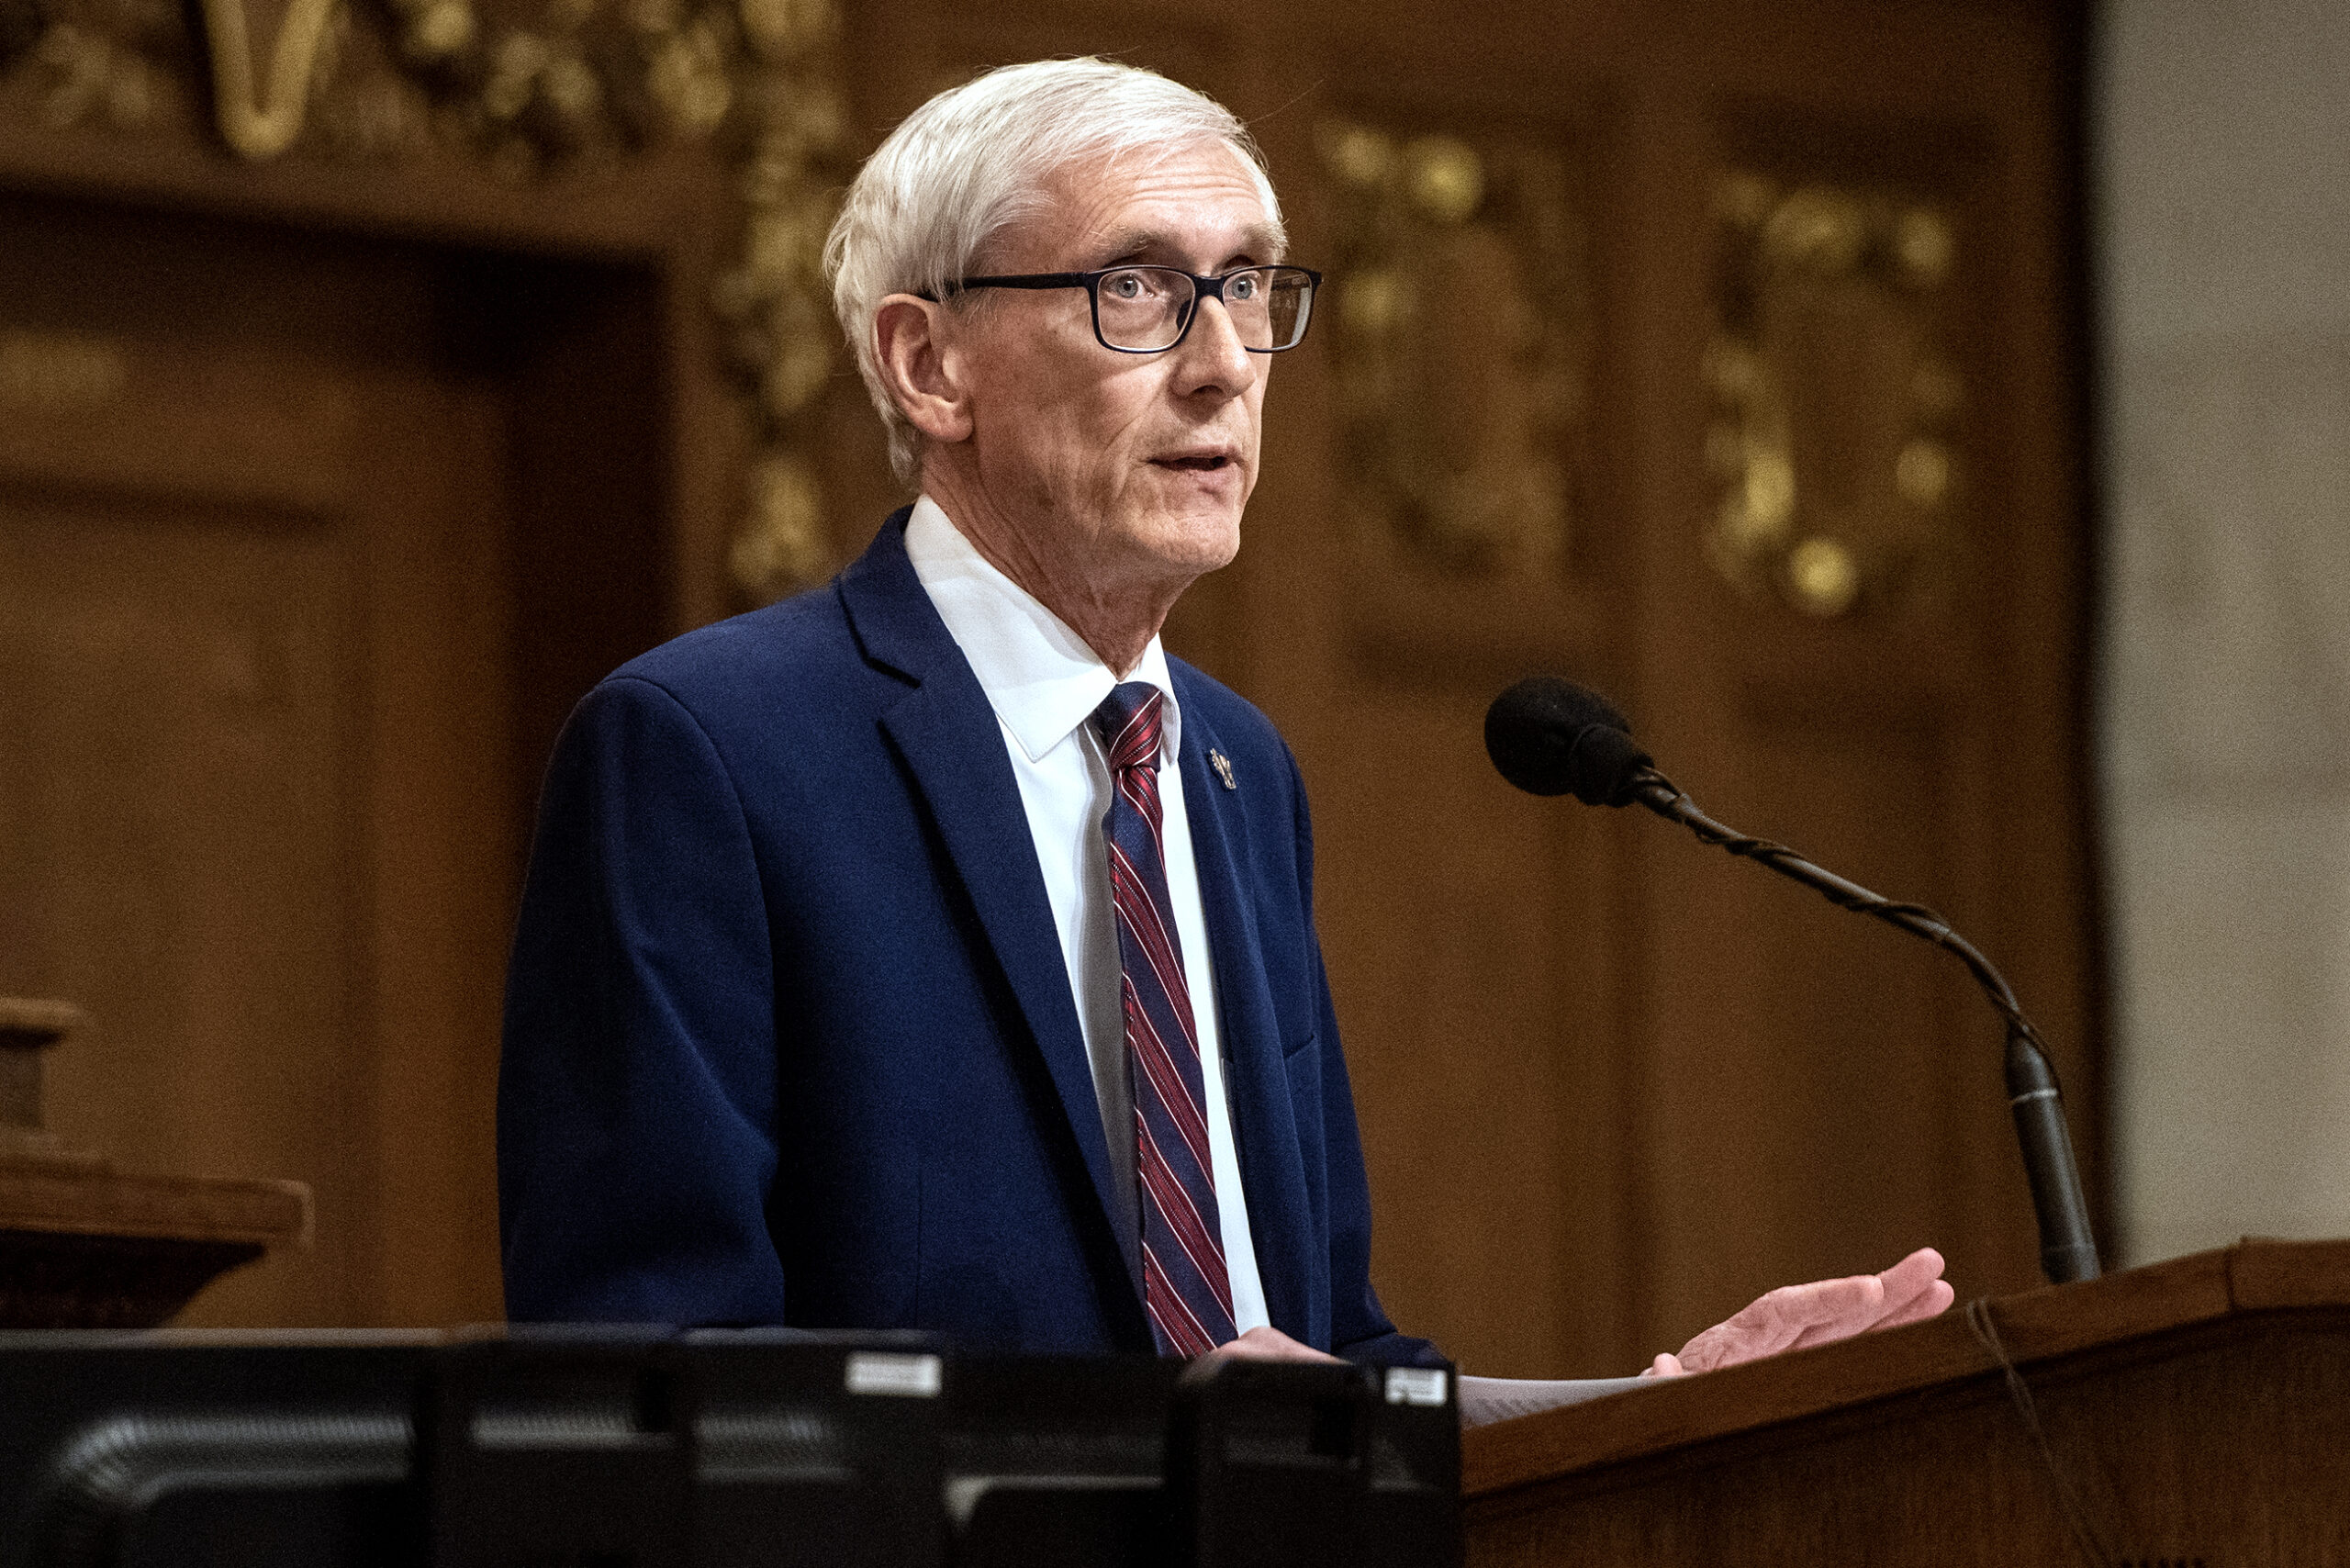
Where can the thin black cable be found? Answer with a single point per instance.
(1978, 1318)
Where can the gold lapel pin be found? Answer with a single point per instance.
(1223, 765)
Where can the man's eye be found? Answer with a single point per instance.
(1124, 286)
(1245, 287)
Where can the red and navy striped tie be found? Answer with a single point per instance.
(1184, 1282)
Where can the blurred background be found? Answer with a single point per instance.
(1930, 419)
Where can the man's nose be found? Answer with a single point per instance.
(1213, 358)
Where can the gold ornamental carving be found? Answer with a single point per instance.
(1460, 336)
(529, 85)
(118, 64)
(578, 80)
(1832, 443)
(261, 121)
(532, 89)
(777, 312)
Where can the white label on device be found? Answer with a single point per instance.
(1415, 1386)
(905, 1377)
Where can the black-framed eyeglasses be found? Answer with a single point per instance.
(1141, 309)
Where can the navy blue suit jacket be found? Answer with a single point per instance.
(788, 1035)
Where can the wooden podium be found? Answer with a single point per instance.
(84, 1244)
(2194, 1413)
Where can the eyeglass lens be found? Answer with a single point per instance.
(1145, 308)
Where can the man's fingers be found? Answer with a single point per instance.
(1914, 1290)
(1932, 1301)
(1829, 1309)
(1804, 1307)
(1781, 1320)
(1797, 1317)
(1906, 1281)
(1791, 1309)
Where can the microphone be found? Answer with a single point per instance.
(1550, 737)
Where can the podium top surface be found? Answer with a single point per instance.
(2040, 1325)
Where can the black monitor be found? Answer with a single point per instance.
(626, 1448)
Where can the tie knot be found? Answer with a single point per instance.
(1127, 722)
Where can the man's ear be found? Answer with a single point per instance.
(919, 368)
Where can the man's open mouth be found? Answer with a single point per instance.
(1205, 463)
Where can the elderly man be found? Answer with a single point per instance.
(931, 950)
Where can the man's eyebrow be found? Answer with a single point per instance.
(1258, 243)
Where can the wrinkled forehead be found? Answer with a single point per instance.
(1205, 199)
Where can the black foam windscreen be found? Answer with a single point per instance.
(1549, 736)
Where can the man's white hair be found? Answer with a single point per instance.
(975, 160)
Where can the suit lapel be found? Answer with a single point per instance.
(953, 746)
(1264, 1127)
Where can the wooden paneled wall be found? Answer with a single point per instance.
(1718, 357)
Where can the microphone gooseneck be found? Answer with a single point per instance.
(1550, 737)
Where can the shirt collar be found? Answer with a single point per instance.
(1040, 677)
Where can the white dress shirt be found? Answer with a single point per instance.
(1043, 683)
